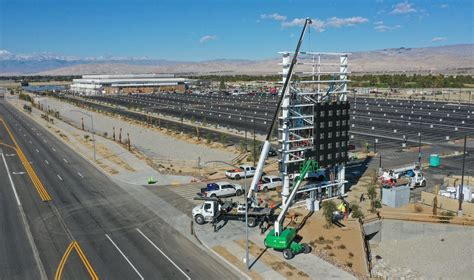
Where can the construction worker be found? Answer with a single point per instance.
(342, 208)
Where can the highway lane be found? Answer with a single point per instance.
(17, 257)
(103, 219)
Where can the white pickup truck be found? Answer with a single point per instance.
(221, 189)
(243, 171)
(269, 182)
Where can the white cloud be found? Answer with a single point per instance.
(444, 6)
(321, 25)
(274, 16)
(207, 38)
(294, 22)
(385, 28)
(403, 8)
(380, 27)
(439, 39)
(340, 22)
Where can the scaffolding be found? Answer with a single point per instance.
(317, 78)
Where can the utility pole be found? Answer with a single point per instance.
(419, 145)
(376, 140)
(461, 187)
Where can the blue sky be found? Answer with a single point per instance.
(213, 29)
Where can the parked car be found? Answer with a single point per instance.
(243, 171)
(269, 182)
(221, 189)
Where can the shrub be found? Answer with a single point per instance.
(223, 138)
(418, 208)
(351, 255)
(342, 246)
(337, 237)
(331, 254)
(356, 211)
(208, 138)
(349, 264)
(321, 238)
(328, 247)
(329, 207)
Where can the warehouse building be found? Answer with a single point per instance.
(130, 83)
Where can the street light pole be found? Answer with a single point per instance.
(461, 187)
(247, 260)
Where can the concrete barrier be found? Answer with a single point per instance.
(446, 203)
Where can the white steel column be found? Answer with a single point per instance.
(285, 132)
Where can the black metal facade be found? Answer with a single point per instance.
(330, 133)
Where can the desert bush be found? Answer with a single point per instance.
(329, 206)
(351, 255)
(337, 237)
(418, 208)
(342, 247)
(321, 238)
(349, 264)
(356, 211)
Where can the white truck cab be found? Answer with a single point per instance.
(205, 212)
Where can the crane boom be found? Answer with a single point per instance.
(266, 144)
(308, 166)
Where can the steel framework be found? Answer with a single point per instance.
(318, 77)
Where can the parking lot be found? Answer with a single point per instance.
(393, 122)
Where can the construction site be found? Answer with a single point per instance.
(314, 180)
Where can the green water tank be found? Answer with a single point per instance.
(434, 160)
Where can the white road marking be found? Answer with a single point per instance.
(30, 142)
(54, 150)
(37, 151)
(47, 162)
(65, 160)
(39, 263)
(44, 140)
(156, 247)
(80, 175)
(123, 255)
(18, 173)
(11, 181)
(59, 177)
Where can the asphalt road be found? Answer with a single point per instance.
(120, 238)
(17, 257)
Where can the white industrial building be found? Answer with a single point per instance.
(129, 83)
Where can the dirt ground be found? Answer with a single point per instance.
(282, 267)
(341, 246)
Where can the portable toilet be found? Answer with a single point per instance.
(434, 160)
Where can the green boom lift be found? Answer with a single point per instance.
(284, 240)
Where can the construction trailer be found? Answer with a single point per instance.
(313, 126)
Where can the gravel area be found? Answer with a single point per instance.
(447, 256)
(153, 143)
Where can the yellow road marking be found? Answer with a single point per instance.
(74, 245)
(31, 173)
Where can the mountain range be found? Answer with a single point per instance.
(442, 59)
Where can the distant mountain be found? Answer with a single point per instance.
(444, 59)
